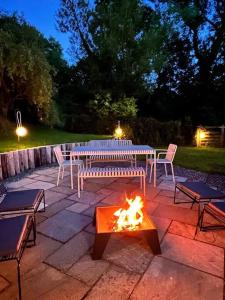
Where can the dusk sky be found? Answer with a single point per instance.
(41, 14)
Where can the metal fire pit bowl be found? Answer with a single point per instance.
(103, 220)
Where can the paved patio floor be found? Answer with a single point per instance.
(60, 266)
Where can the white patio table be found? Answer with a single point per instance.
(119, 150)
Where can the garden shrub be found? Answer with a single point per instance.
(155, 133)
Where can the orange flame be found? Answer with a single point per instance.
(130, 218)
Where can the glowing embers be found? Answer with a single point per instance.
(130, 216)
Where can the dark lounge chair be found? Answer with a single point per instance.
(217, 211)
(20, 202)
(14, 237)
(198, 192)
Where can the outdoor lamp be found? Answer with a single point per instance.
(118, 134)
(21, 131)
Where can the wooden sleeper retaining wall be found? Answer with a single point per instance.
(15, 162)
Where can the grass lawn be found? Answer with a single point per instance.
(38, 136)
(211, 160)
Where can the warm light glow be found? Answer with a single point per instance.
(118, 133)
(130, 218)
(202, 135)
(21, 131)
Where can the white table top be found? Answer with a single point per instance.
(128, 149)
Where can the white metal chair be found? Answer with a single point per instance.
(169, 155)
(63, 162)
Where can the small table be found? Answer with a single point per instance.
(119, 150)
(104, 228)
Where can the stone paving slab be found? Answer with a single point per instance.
(88, 198)
(195, 254)
(52, 197)
(116, 284)
(166, 279)
(63, 190)
(46, 171)
(167, 185)
(170, 178)
(45, 178)
(88, 270)
(20, 183)
(78, 207)
(122, 187)
(71, 289)
(116, 198)
(56, 207)
(182, 229)
(40, 185)
(105, 192)
(133, 254)
(177, 213)
(63, 225)
(91, 210)
(70, 253)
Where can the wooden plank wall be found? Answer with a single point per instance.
(15, 162)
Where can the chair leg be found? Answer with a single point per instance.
(62, 172)
(78, 185)
(150, 175)
(58, 176)
(172, 172)
(71, 175)
(144, 184)
(19, 280)
(165, 170)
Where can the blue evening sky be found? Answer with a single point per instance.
(41, 14)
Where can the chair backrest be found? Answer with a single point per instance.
(58, 153)
(109, 143)
(171, 151)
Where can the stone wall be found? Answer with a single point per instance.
(14, 162)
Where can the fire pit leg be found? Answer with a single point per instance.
(101, 240)
(153, 241)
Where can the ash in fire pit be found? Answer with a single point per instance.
(117, 219)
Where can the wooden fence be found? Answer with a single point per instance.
(210, 136)
(15, 162)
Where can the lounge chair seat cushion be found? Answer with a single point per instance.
(199, 190)
(21, 200)
(12, 231)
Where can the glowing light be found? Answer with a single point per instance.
(118, 134)
(21, 131)
(202, 135)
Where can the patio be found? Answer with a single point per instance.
(60, 266)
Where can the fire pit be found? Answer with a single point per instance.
(129, 218)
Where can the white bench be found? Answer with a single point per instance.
(108, 173)
(108, 158)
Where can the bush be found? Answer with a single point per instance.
(152, 132)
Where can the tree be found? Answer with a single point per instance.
(120, 41)
(24, 68)
(199, 82)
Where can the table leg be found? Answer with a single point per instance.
(71, 170)
(155, 169)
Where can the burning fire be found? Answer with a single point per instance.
(130, 218)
